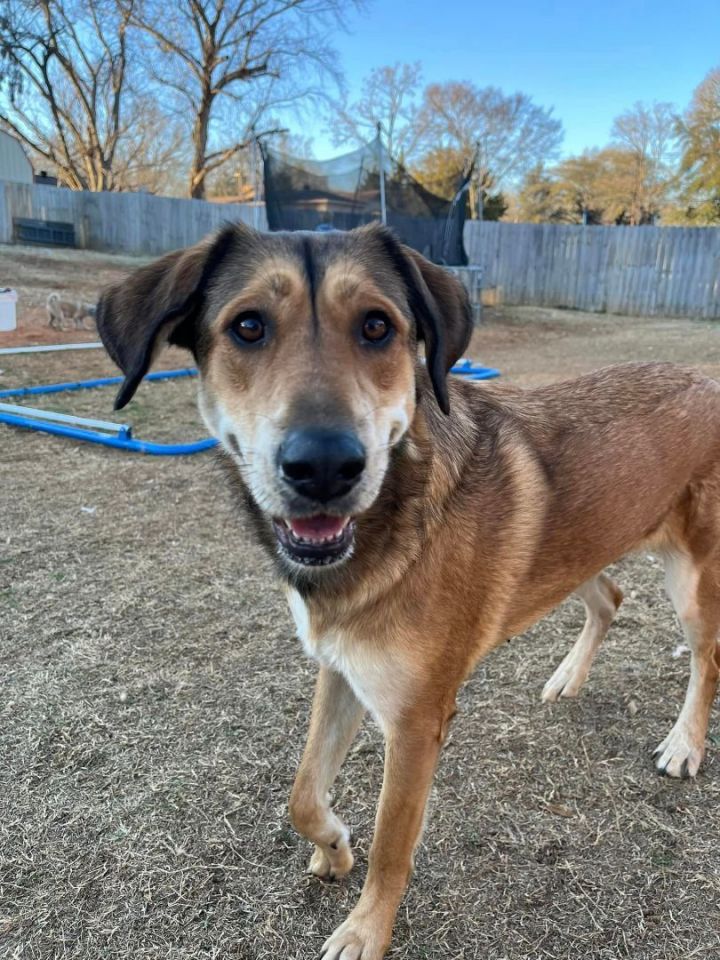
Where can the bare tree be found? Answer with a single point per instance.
(65, 86)
(440, 168)
(388, 97)
(699, 131)
(145, 160)
(603, 186)
(580, 187)
(232, 62)
(537, 200)
(506, 135)
(645, 142)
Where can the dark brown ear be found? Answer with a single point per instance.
(157, 305)
(442, 312)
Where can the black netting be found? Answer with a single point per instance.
(345, 192)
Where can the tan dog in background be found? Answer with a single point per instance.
(75, 312)
(417, 522)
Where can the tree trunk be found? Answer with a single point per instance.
(199, 140)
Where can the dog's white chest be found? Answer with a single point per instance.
(379, 680)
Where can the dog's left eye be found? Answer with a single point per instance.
(248, 328)
(376, 327)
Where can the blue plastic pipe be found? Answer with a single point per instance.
(92, 436)
(106, 440)
(90, 384)
(464, 368)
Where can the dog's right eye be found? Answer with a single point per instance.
(376, 327)
(248, 328)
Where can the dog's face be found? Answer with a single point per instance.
(308, 381)
(306, 345)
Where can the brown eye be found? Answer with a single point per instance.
(248, 328)
(376, 327)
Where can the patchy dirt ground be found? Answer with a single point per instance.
(154, 703)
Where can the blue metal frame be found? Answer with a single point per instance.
(122, 438)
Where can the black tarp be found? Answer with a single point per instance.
(345, 192)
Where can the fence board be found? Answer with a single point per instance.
(134, 223)
(648, 271)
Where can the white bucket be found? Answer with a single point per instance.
(8, 299)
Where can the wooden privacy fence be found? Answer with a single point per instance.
(647, 271)
(134, 223)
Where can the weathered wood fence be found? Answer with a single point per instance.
(672, 271)
(134, 223)
(647, 271)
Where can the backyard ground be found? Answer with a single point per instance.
(154, 701)
(35, 272)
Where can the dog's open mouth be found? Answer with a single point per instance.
(316, 541)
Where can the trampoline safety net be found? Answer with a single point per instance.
(345, 192)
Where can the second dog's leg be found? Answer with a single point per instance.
(694, 593)
(602, 598)
(336, 716)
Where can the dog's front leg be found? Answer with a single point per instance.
(411, 754)
(336, 716)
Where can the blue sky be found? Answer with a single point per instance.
(588, 60)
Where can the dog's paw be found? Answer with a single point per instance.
(566, 681)
(363, 935)
(680, 754)
(332, 864)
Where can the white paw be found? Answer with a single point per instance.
(680, 754)
(333, 862)
(566, 681)
(361, 936)
(319, 864)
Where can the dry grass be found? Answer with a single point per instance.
(154, 703)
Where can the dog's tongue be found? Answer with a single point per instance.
(319, 527)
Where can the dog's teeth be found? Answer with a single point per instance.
(319, 540)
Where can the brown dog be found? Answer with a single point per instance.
(417, 522)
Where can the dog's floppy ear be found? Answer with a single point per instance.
(157, 305)
(442, 311)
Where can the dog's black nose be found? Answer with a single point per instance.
(321, 464)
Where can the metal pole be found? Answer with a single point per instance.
(256, 182)
(478, 181)
(381, 163)
(52, 348)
